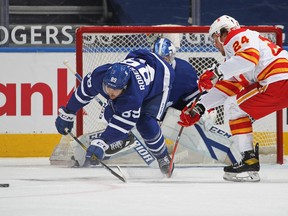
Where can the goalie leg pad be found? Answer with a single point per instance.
(204, 137)
(78, 152)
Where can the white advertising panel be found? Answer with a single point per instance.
(32, 87)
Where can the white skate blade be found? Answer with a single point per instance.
(242, 177)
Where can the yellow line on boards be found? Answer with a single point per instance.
(28, 145)
(42, 145)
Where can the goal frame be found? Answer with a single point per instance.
(171, 29)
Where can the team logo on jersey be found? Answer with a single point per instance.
(113, 79)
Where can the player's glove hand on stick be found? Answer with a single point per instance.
(190, 117)
(65, 120)
(209, 78)
(96, 149)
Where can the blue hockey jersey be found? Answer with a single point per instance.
(185, 86)
(147, 91)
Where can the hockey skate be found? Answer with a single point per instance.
(246, 170)
(164, 163)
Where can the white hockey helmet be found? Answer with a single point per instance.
(224, 22)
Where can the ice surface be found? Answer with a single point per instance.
(36, 188)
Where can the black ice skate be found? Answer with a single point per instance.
(245, 170)
(164, 164)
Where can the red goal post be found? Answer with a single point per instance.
(98, 45)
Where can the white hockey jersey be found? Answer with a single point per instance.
(249, 58)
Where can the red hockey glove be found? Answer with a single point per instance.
(190, 117)
(209, 78)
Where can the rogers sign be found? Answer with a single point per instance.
(37, 35)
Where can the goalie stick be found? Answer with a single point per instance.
(179, 136)
(148, 159)
(121, 177)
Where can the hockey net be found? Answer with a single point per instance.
(96, 46)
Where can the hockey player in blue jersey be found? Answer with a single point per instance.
(137, 90)
(185, 87)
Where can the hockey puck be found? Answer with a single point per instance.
(4, 185)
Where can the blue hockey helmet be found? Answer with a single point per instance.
(165, 48)
(117, 76)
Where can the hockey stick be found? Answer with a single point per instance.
(178, 137)
(174, 151)
(121, 177)
(148, 157)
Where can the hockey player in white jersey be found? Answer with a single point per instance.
(137, 90)
(254, 77)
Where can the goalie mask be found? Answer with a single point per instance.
(223, 23)
(117, 76)
(165, 48)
